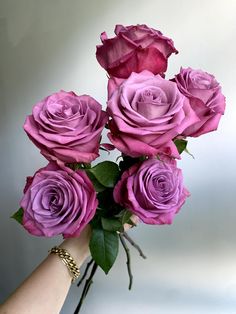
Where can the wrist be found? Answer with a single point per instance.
(78, 247)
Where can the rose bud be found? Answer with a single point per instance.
(134, 49)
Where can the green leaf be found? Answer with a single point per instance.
(107, 203)
(76, 166)
(97, 185)
(188, 152)
(95, 223)
(105, 199)
(18, 216)
(181, 145)
(106, 173)
(104, 247)
(112, 224)
(126, 217)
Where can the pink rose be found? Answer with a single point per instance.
(58, 201)
(153, 190)
(205, 97)
(134, 49)
(67, 127)
(147, 112)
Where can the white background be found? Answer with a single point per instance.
(49, 45)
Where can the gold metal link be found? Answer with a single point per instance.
(67, 260)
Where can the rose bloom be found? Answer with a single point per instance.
(147, 112)
(58, 201)
(152, 190)
(134, 49)
(205, 97)
(67, 127)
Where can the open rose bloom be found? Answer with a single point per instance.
(147, 112)
(205, 97)
(153, 190)
(67, 127)
(148, 118)
(58, 201)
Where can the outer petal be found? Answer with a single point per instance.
(206, 125)
(149, 59)
(132, 146)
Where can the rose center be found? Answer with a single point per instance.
(152, 103)
(161, 185)
(52, 200)
(148, 96)
(201, 81)
(65, 111)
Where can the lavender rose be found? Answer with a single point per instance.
(134, 49)
(153, 190)
(147, 112)
(58, 201)
(205, 97)
(67, 127)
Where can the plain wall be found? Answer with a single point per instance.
(49, 45)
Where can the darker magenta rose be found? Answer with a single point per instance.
(147, 112)
(67, 127)
(152, 190)
(205, 97)
(57, 201)
(134, 49)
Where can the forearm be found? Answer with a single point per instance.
(45, 290)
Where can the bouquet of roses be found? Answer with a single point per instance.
(148, 118)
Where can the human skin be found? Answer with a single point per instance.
(45, 290)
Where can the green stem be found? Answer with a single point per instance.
(87, 285)
(122, 240)
(135, 245)
(85, 272)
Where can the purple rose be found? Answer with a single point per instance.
(205, 97)
(134, 49)
(57, 201)
(147, 112)
(153, 190)
(67, 127)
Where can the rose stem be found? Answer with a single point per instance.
(122, 240)
(135, 245)
(87, 285)
(85, 272)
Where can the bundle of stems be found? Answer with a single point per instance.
(92, 266)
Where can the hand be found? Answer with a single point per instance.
(79, 247)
